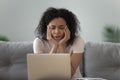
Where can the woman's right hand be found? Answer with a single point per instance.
(49, 36)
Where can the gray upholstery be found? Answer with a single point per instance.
(13, 60)
(100, 60)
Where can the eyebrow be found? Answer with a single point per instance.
(59, 25)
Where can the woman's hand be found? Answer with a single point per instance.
(49, 36)
(66, 37)
(62, 43)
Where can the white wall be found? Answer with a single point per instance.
(19, 18)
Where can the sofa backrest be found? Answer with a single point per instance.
(102, 60)
(13, 60)
(99, 60)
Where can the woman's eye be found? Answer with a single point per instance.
(52, 27)
(62, 27)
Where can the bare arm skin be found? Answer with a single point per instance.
(75, 61)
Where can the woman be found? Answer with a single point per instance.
(57, 33)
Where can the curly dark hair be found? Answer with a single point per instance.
(52, 13)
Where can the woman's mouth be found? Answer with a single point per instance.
(57, 37)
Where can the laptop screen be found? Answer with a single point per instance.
(48, 66)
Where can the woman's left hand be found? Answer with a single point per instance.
(66, 37)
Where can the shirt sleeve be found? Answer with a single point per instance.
(37, 46)
(78, 45)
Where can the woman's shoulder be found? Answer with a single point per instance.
(78, 41)
(79, 38)
(38, 40)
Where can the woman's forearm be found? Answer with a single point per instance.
(72, 70)
(75, 61)
(61, 49)
(54, 49)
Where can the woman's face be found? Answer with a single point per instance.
(57, 27)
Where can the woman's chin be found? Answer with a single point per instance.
(57, 40)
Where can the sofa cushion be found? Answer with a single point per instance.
(13, 60)
(102, 60)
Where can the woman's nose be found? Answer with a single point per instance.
(57, 31)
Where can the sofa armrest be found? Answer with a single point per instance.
(102, 60)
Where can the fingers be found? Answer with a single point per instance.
(67, 33)
(48, 33)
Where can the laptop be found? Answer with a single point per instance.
(49, 66)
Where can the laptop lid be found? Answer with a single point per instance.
(48, 66)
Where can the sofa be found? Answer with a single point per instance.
(99, 60)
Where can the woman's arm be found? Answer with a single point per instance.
(62, 44)
(75, 61)
(37, 46)
(53, 49)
